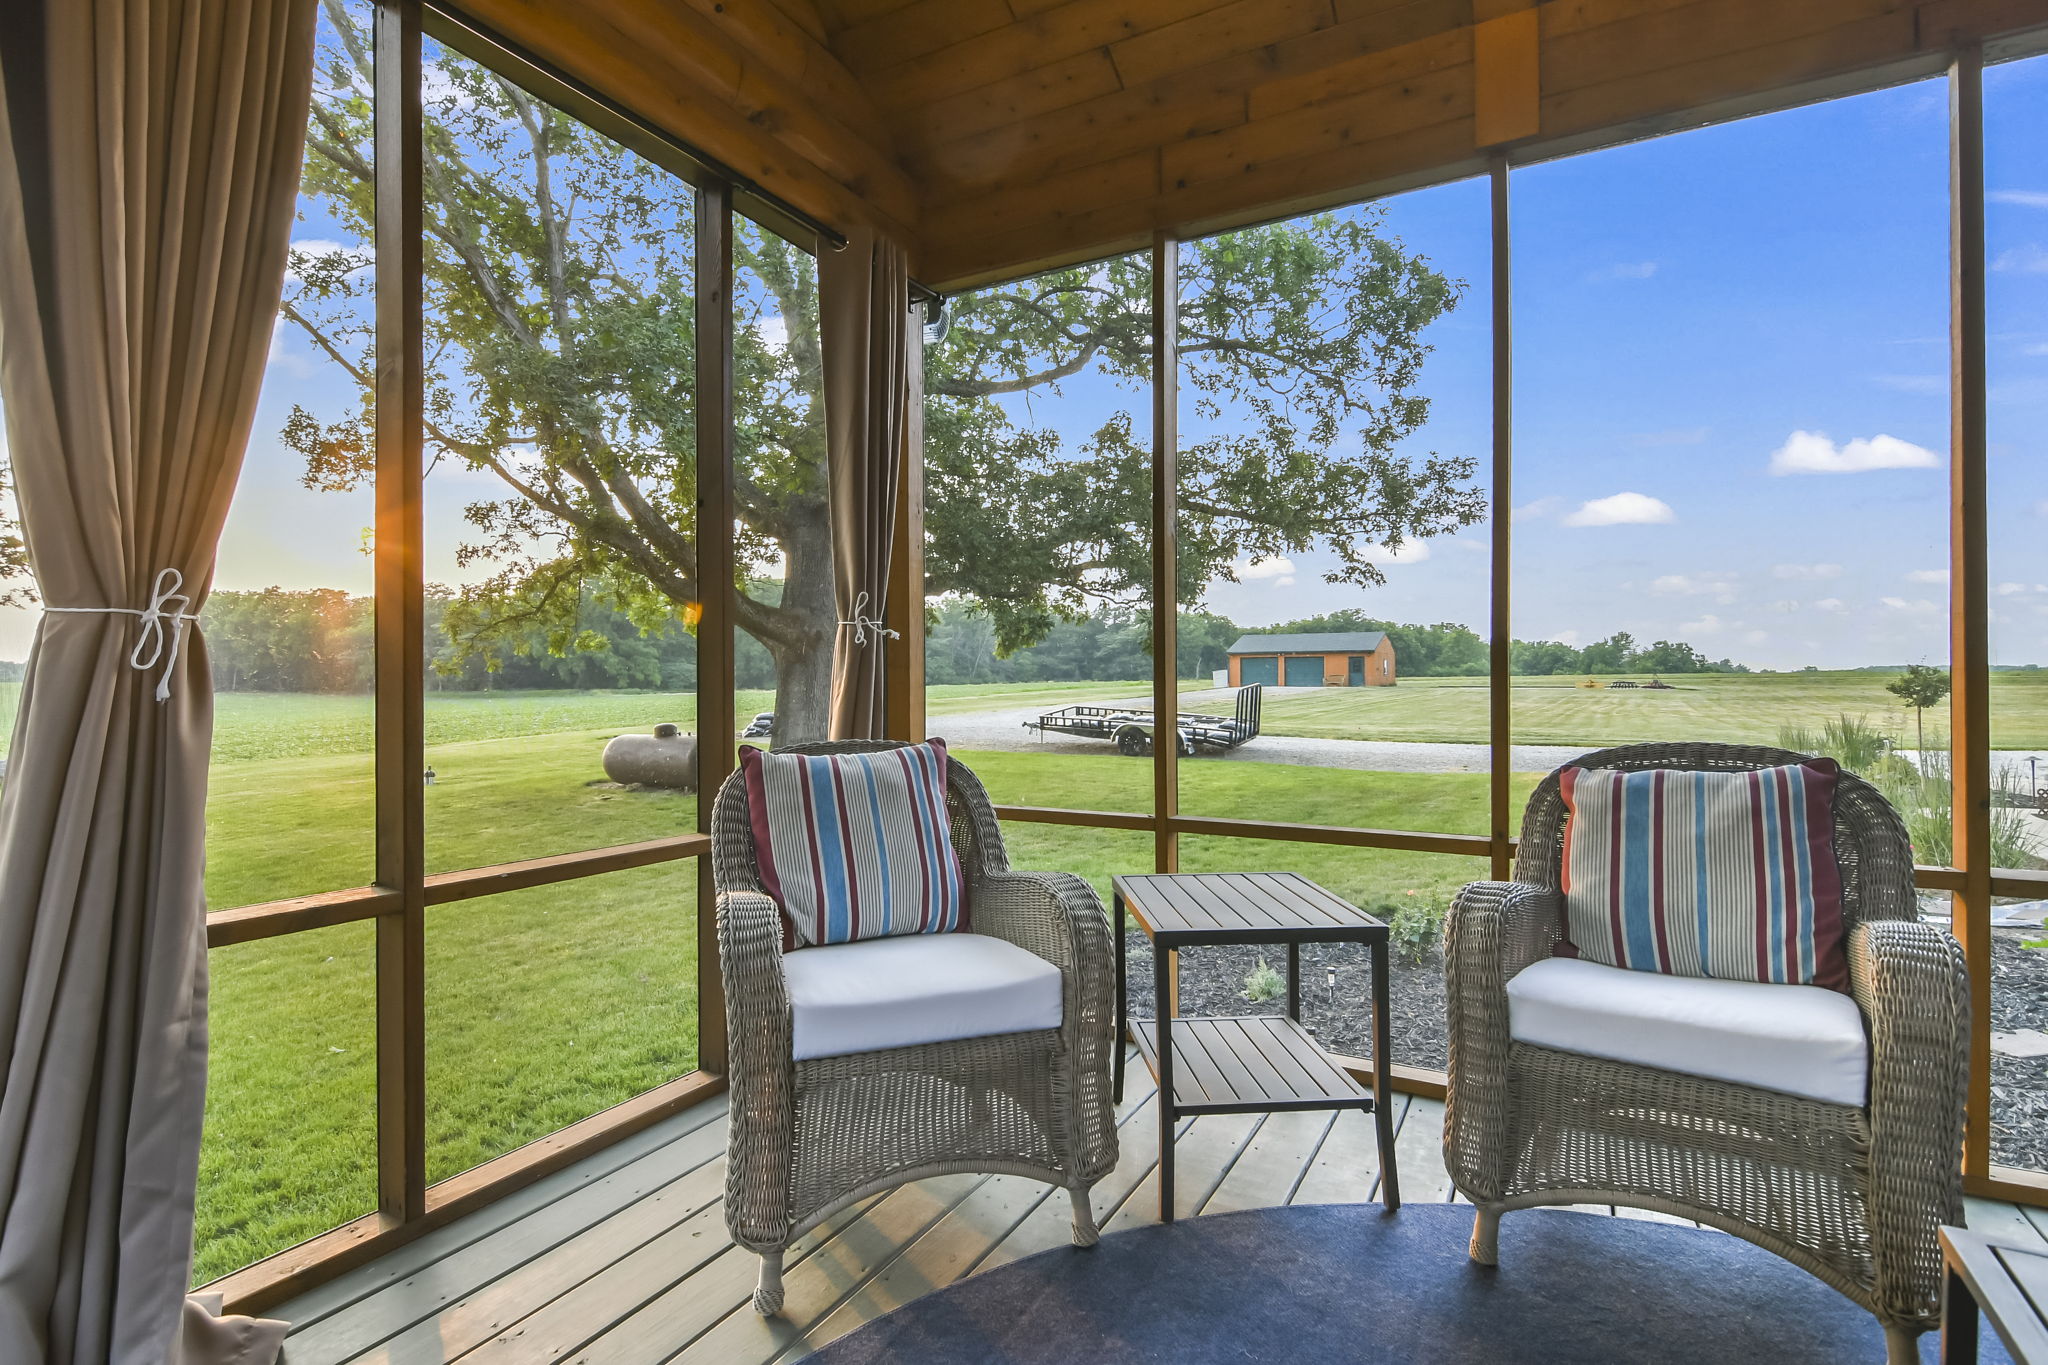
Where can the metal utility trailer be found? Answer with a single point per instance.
(1132, 729)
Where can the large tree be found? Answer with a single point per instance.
(560, 340)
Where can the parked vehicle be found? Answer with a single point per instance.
(1133, 729)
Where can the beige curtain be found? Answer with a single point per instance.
(866, 329)
(149, 156)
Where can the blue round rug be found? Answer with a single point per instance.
(1346, 1282)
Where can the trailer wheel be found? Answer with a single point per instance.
(1133, 742)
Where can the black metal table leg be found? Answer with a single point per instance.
(1294, 982)
(1162, 976)
(1959, 1321)
(1123, 1023)
(1382, 1076)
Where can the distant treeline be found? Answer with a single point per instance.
(320, 640)
(960, 648)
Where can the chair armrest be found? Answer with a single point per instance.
(1058, 916)
(1493, 930)
(1911, 983)
(760, 1075)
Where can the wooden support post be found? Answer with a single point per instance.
(1969, 594)
(716, 723)
(1165, 573)
(903, 656)
(400, 627)
(1500, 652)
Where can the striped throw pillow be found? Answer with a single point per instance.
(855, 846)
(1728, 875)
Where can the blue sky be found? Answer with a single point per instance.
(1731, 398)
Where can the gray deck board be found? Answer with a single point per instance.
(624, 1260)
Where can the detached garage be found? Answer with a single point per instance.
(1359, 658)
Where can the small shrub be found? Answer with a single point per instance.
(1414, 931)
(1262, 983)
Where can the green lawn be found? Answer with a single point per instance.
(550, 1004)
(1736, 707)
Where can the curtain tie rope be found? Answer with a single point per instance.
(166, 603)
(862, 623)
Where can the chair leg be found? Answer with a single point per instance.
(768, 1293)
(1901, 1345)
(1086, 1233)
(1486, 1235)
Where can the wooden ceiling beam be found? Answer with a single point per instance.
(721, 82)
(1205, 99)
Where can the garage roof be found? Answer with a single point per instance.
(1339, 642)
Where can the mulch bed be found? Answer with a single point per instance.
(1212, 981)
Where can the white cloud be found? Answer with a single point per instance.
(2035, 348)
(2011, 589)
(1830, 604)
(1411, 552)
(1720, 586)
(1706, 625)
(2031, 259)
(1622, 509)
(774, 332)
(1542, 507)
(283, 357)
(1622, 270)
(1927, 576)
(1279, 566)
(1806, 571)
(1811, 452)
(2033, 199)
(1913, 383)
(1755, 637)
(1918, 606)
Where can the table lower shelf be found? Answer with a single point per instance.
(1253, 1064)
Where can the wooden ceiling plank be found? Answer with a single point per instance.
(1057, 85)
(1449, 48)
(1021, 154)
(840, 15)
(1134, 176)
(763, 30)
(1674, 90)
(1215, 35)
(1032, 41)
(1205, 100)
(1369, 116)
(1676, 37)
(1078, 232)
(805, 15)
(693, 47)
(1560, 17)
(1357, 11)
(917, 31)
(586, 42)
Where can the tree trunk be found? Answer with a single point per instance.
(805, 622)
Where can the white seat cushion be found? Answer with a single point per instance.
(1802, 1040)
(915, 988)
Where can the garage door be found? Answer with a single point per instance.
(1259, 669)
(1305, 672)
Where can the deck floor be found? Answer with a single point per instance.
(623, 1259)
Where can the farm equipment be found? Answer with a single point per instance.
(1132, 730)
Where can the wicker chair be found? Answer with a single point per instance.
(1853, 1195)
(810, 1137)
